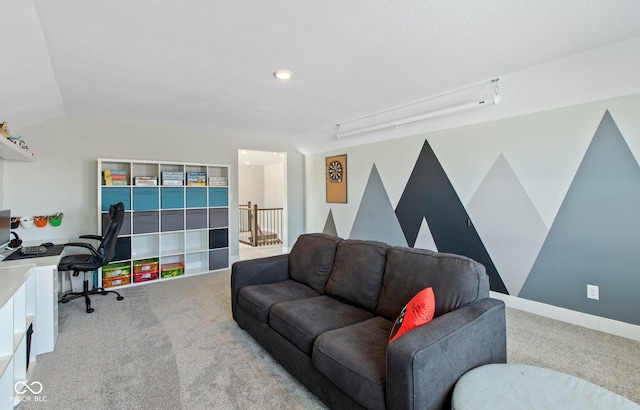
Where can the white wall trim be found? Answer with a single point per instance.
(602, 324)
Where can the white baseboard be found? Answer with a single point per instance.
(602, 324)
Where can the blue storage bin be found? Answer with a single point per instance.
(218, 197)
(196, 197)
(113, 195)
(145, 198)
(171, 198)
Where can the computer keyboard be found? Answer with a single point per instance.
(34, 250)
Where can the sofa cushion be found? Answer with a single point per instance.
(301, 321)
(311, 259)
(419, 311)
(357, 272)
(354, 358)
(456, 280)
(258, 299)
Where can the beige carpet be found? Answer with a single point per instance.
(174, 345)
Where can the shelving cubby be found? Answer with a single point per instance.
(17, 314)
(170, 222)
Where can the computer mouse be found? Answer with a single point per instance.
(46, 244)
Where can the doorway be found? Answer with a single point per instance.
(262, 199)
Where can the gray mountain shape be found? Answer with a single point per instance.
(376, 219)
(594, 237)
(330, 225)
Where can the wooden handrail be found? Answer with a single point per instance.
(264, 225)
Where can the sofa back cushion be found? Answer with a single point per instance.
(357, 272)
(311, 259)
(456, 280)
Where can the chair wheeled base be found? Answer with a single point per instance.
(86, 292)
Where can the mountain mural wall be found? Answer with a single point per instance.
(592, 239)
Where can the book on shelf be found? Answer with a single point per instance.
(115, 177)
(144, 180)
(173, 182)
(196, 179)
(175, 178)
(217, 181)
(172, 174)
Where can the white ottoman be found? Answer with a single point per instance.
(519, 386)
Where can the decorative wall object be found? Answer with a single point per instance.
(336, 177)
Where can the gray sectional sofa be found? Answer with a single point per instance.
(326, 309)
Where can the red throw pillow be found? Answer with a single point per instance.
(417, 312)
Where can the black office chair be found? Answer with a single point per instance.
(94, 260)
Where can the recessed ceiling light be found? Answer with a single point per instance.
(282, 74)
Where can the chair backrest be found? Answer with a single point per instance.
(107, 247)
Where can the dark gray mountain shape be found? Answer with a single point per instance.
(375, 219)
(330, 225)
(430, 195)
(508, 223)
(595, 235)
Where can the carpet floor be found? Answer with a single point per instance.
(174, 345)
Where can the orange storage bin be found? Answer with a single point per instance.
(145, 265)
(116, 281)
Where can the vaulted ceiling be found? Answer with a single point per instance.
(209, 64)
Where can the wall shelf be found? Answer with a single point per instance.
(11, 152)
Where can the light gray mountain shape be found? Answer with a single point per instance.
(424, 239)
(376, 219)
(594, 237)
(508, 223)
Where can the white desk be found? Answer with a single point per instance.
(45, 327)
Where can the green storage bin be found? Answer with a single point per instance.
(116, 269)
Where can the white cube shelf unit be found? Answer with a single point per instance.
(17, 314)
(176, 216)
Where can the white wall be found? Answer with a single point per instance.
(63, 177)
(251, 184)
(274, 187)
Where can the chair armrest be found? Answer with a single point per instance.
(424, 364)
(85, 246)
(255, 272)
(96, 237)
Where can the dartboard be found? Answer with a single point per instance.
(335, 171)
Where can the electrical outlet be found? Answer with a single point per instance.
(593, 292)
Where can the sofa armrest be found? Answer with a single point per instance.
(255, 272)
(424, 364)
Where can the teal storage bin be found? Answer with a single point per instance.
(146, 198)
(196, 197)
(218, 197)
(111, 195)
(171, 198)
